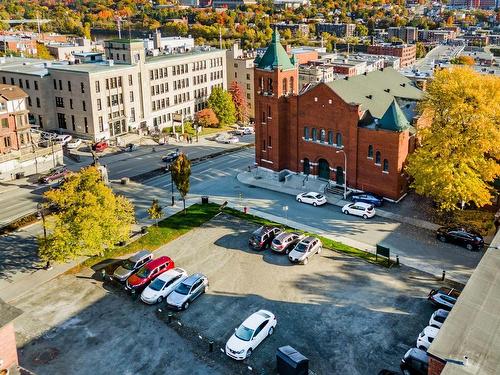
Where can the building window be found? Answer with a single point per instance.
(101, 124)
(130, 82)
(38, 102)
(132, 114)
(322, 135)
(307, 166)
(29, 101)
(269, 111)
(264, 145)
(291, 85)
(82, 88)
(59, 102)
(330, 137)
(269, 144)
(284, 85)
(60, 85)
(97, 86)
(55, 83)
(27, 84)
(61, 120)
(69, 86)
(99, 104)
(377, 158)
(86, 124)
(5, 123)
(386, 165)
(6, 141)
(131, 96)
(306, 133)
(314, 134)
(339, 140)
(370, 151)
(71, 103)
(73, 122)
(84, 106)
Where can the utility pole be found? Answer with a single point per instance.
(220, 38)
(118, 24)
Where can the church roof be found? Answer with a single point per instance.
(275, 56)
(394, 119)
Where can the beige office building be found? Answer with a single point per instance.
(240, 69)
(129, 91)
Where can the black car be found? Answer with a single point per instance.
(469, 239)
(369, 198)
(414, 362)
(262, 237)
(170, 157)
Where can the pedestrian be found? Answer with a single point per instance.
(48, 266)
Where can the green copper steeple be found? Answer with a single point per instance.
(275, 56)
(394, 119)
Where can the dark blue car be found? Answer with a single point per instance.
(369, 198)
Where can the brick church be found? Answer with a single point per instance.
(358, 130)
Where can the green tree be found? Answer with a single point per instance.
(181, 171)
(460, 149)
(361, 30)
(240, 101)
(221, 102)
(90, 218)
(155, 212)
(42, 52)
(421, 51)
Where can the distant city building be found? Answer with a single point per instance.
(232, 4)
(436, 36)
(291, 3)
(293, 27)
(341, 30)
(406, 34)
(174, 44)
(66, 51)
(18, 44)
(407, 53)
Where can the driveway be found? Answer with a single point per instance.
(345, 315)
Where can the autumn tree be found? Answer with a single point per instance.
(207, 118)
(460, 150)
(42, 52)
(221, 102)
(463, 60)
(181, 171)
(420, 50)
(90, 218)
(155, 212)
(240, 101)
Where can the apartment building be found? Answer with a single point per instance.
(341, 30)
(128, 91)
(406, 52)
(295, 28)
(18, 44)
(14, 125)
(240, 66)
(406, 34)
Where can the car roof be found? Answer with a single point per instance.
(308, 239)
(284, 235)
(441, 312)
(419, 354)
(254, 320)
(363, 204)
(157, 262)
(171, 273)
(431, 331)
(190, 280)
(139, 255)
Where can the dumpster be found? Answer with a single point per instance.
(204, 199)
(291, 362)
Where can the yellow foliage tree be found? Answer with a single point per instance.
(460, 150)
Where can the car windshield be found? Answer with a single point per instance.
(244, 333)
(157, 284)
(301, 247)
(128, 265)
(319, 196)
(143, 273)
(183, 289)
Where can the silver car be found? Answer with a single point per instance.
(305, 249)
(285, 241)
(131, 265)
(187, 291)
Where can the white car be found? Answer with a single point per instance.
(245, 130)
(74, 143)
(250, 334)
(305, 249)
(438, 317)
(231, 140)
(426, 337)
(316, 199)
(63, 139)
(364, 210)
(163, 285)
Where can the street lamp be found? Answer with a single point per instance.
(40, 211)
(345, 170)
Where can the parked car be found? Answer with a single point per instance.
(469, 239)
(250, 334)
(187, 291)
(305, 249)
(285, 241)
(426, 337)
(54, 174)
(244, 130)
(131, 147)
(163, 285)
(74, 143)
(49, 136)
(100, 146)
(316, 199)
(170, 157)
(132, 264)
(414, 362)
(364, 210)
(442, 300)
(369, 198)
(438, 317)
(141, 279)
(445, 290)
(262, 237)
(63, 139)
(232, 139)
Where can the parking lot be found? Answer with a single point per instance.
(347, 316)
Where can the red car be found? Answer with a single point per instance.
(139, 280)
(100, 146)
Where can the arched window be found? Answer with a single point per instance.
(270, 85)
(261, 83)
(330, 137)
(377, 157)
(370, 151)
(339, 140)
(314, 134)
(322, 135)
(386, 165)
(307, 166)
(306, 132)
(284, 86)
(291, 85)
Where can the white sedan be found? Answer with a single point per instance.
(250, 334)
(163, 285)
(364, 210)
(316, 199)
(426, 337)
(231, 140)
(74, 143)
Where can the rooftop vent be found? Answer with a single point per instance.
(387, 90)
(402, 84)
(369, 96)
(346, 78)
(365, 73)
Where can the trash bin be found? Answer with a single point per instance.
(291, 362)
(204, 199)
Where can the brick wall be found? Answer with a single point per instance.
(435, 366)
(8, 351)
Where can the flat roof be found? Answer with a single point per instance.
(8, 313)
(22, 65)
(472, 328)
(95, 67)
(124, 41)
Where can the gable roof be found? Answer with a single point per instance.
(10, 92)
(275, 56)
(394, 119)
(376, 91)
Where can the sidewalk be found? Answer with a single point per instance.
(249, 178)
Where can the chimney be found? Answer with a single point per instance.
(157, 39)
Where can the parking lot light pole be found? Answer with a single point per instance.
(345, 170)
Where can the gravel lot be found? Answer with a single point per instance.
(347, 316)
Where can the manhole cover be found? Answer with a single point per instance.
(45, 356)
